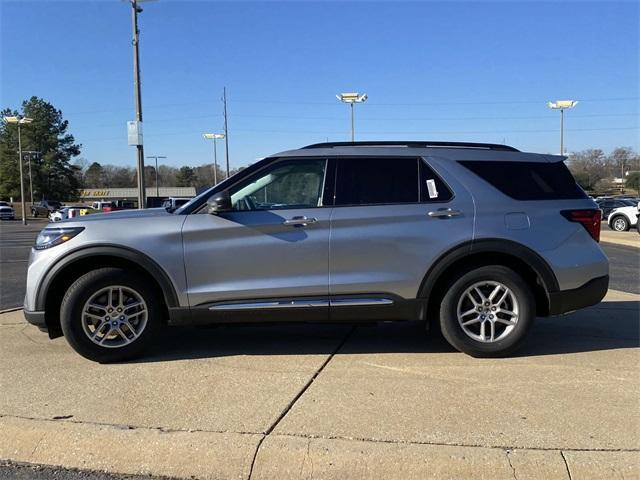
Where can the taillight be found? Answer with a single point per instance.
(590, 220)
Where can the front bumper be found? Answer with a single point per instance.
(586, 295)
(36, 318)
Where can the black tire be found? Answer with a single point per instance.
(88, 285)
(452, 329)
(619, 223)
(34, 213)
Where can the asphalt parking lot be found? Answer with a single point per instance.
(329, 401)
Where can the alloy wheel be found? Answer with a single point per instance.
(488, 311)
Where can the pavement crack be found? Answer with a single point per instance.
(295, 399)
(566, 464)
(308, 384)
(513, 469)
(255, 456)
(453, 444)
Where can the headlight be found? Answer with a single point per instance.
(50, 237)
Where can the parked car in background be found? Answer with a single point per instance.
(607, 205)
(70, 212)
(171, 204)
(622, 219)
(6, 211)
(479, 238)
(112, 205)
(44, 208)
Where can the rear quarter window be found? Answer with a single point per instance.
(528, 180)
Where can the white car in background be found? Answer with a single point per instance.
(6, 211)
(623, 218)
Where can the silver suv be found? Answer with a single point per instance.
(476, 238)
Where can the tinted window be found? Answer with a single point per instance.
(377, 180)
(528, 180)
(290, 184)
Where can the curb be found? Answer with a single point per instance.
(209, 455)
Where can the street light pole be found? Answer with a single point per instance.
(562, 105)
(20, 121)
(353, 127)
(138, 98)
(22, 202)
(352, 99)
(214, 137)
(156, 158)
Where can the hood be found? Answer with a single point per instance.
(119, 214)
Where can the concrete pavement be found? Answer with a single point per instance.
(333, 402)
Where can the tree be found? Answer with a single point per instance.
(94, 176)
(588, 167)
(54, 177)
(186, 177)
(633, 181)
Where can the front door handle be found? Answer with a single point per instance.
(444, 213)
(299, 221)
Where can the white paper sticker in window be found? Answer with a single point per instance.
(431, 187)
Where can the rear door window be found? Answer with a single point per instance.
(528, 180)
(387, 180)
(377, 181)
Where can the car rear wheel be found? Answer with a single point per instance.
(620, 224)
(487, 312)
(110, 315)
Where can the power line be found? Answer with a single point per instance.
(423, 132)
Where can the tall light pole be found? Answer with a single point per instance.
(156, 157)
(29, 154)
(562, 105)
(226, 130)
(215, 137)
(352, 98)
(135, 10)
(20, 121)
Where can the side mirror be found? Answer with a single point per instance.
(220, 202)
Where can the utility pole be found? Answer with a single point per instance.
(138, 98)
(30, 153)
(226, 131)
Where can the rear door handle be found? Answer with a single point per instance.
(299, 221)
(444, 213)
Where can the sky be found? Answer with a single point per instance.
(467, 71)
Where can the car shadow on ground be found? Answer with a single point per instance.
(608, 326)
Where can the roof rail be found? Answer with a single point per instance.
(416, 144)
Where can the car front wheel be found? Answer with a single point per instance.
(620, 224)
(487, 312)
(110, 315)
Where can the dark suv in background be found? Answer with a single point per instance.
(44, 208)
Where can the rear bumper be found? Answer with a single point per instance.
(586, 295)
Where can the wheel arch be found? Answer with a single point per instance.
(63, 273)
(534, 269)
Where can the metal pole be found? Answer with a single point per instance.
(226, 131)
(353, 131)
(30, 181)
(215, 162)
(157, 189)
(24, 207)
(562, 131)
(138, 100)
